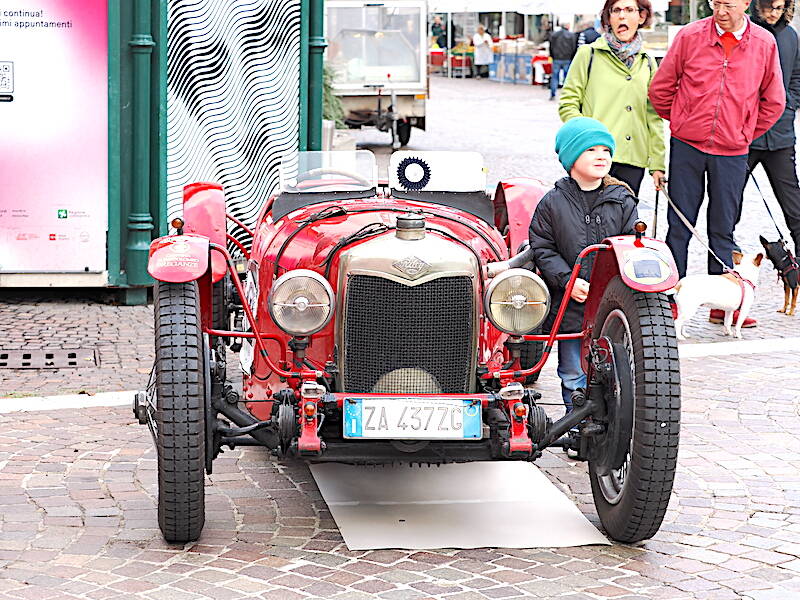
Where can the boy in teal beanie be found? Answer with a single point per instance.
(582, 209)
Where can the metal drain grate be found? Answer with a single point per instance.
(48, 358)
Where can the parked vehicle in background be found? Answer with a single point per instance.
(378, 54)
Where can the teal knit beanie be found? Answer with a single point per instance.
(578, 135)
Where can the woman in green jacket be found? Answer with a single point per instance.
(608, 81)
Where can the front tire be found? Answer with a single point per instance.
(631, 501)
(530, 354)
(180, 414)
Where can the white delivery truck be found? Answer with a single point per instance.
(378, 53)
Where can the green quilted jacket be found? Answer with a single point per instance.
(617, 96)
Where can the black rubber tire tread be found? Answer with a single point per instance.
(403, 132)
(180, 414)
(530, 354)
(639, 513)
(219, 305)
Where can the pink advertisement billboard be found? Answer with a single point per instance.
(53, 136)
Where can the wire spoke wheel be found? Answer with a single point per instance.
(632, 484)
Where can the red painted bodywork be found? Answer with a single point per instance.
(204, 214)
(309, 249)
(609, 264)
(309, 238)
(178, 258)
(309, 442)
(514, 202)
(519, 441)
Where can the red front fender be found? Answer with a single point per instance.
(178, 258)
(514, 202)
(645, 265)
(204, 214)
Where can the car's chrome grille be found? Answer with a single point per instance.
(404, 339)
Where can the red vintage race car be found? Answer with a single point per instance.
(396, 321)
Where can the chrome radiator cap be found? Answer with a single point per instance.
(410, 226)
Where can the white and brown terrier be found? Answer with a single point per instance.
(728, 292)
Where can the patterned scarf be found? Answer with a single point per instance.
(625, 51)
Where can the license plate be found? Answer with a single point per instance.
(412, 419)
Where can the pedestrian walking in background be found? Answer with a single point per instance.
(483, 55)
(563, 45)
(438, 35)
(587, 35)
(775, 149)
(720, 86)
(561, 228)
(608, 80)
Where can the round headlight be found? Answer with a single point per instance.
(517, 301)
(301, 302)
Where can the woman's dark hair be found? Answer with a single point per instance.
(644, 7)
(767, 4)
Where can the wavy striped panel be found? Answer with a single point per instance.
(233, 74)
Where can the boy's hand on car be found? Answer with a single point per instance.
(580, 291)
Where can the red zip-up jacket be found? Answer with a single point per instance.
(719, 105)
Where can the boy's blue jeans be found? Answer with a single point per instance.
(569, 369)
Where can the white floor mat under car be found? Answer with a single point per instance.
(471, 505)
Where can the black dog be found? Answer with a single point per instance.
(788, 271)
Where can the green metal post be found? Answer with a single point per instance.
(140, 221)
(158, 148)
(303, 75)
(115, 275)
(316, 46)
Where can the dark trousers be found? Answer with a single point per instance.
(480, 70)
(558, 67)
(629, 174)
(689, 169)
(782, 175)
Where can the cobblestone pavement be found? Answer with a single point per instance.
(78, 516)
(77, 487)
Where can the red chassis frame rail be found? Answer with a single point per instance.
(509, 375)
(305, 375)
(309, 442)
(503, 375)
(519, 442)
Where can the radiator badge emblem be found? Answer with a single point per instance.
(412, 267)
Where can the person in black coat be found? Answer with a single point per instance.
(581, 210)
(563, 46)
(588, 35)
(775, 149)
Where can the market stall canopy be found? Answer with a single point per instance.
(459, 6)
(578, 7)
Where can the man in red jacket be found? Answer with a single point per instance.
(720, 86)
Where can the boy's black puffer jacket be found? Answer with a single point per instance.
(563, 225)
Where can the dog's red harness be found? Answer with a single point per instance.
(742, 281)
(791, 266)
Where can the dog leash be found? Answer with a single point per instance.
(693, 231)
(792, 262)
(655, 215)
(725, 268)
(766, 205)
